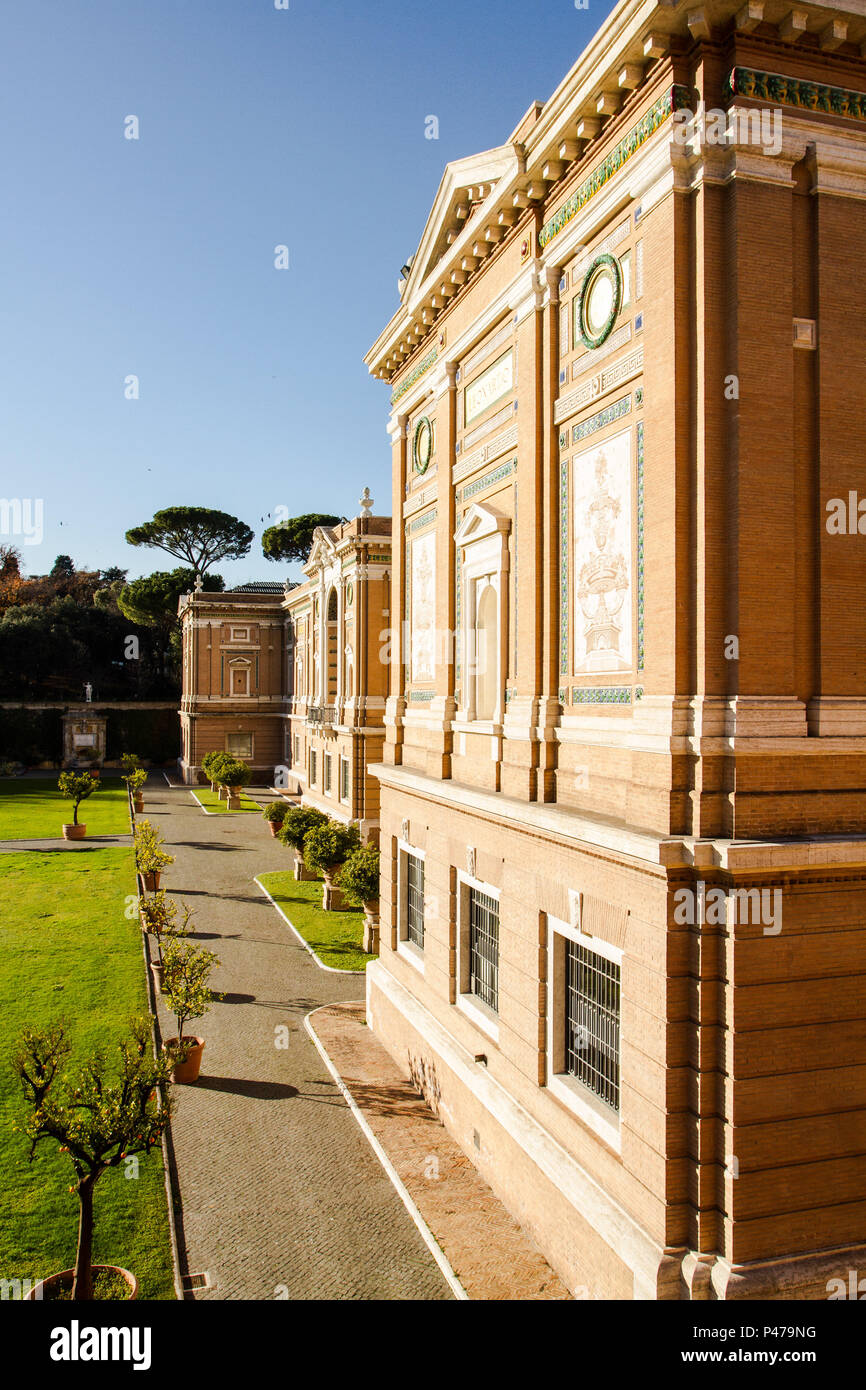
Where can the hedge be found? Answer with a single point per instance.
(33, 736)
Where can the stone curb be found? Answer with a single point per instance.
(332, 969)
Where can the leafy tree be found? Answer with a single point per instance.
(63, 567)
(152, 600)
(297, 822)
(76, 787)
(326, 847)
(187, 969)
(293, 539)
(359, 876)
(198, 535)
(96, 1119)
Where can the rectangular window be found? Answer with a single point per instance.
(326, 772)
(484, 947)
(414, 907)
(312, 767)
(344, 779)
(592, 1021)
(239, 745)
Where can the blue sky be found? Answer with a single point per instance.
(155, 257)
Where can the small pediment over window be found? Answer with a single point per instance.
(479, 523)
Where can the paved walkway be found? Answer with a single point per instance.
(491, 1255)
(281, 1193)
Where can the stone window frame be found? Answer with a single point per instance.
(415, 955)
(245, 665)
(483, 556)
(240, 734)
(473, 1008)
(568, 1090)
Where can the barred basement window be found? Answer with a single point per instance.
(239, 745)
(592, 1021)
(415, 900)
(484, 947)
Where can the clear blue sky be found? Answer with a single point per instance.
(155, 257)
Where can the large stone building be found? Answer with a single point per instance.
(622, 792)
(292, 678)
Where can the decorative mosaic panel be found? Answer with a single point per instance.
(797, 92)
(423, 613)
(602, 530)
(640, 549)
(413, 376)
(601, 695)
(503, 471)
(672, 100)
(601, 420)
(422, 520)
(563, 567)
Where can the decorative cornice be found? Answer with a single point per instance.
(419, 370)
(797, 92)
(674, 99)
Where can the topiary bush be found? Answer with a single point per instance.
(328, 846)
(297, 822)
(359, 876)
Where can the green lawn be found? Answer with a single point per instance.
(33, 809)
(68, 952)
(211, 802)
(334, 936)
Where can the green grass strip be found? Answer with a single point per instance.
(68, 952)
(334, 936)
(32, 809)
(211, 802)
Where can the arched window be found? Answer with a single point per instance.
(482, 547)
(332, 649)
(486, 649)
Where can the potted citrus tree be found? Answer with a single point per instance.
(297, 821)
(326, 849)
(159, 916)
(275, 813)
(150, 857)
(76, 787)
(209, 764)
(186, 970)
(359, 881)
(98, 1118)
(219, 762)
(135, 780)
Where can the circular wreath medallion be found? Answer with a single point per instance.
(350, 595)
(600, 300)
(422, 445)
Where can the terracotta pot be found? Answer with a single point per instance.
(187, 1071)
(66, 1277)
(138, 803)
(151, 881)
(157, 977)
(74, 832)
(274, 827)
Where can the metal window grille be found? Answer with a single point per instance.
(415, 900)
(312, 767)
(592, 1021)
(484, 947)
(344, 779)
(326, 772)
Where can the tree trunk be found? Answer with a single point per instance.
(82, 1287)
(75, 813)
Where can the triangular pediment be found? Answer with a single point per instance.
(480, 522)
(466, 187)
(322, 551)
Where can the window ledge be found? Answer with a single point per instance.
(412, 953)
(593, 1113)
(479, 1014)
